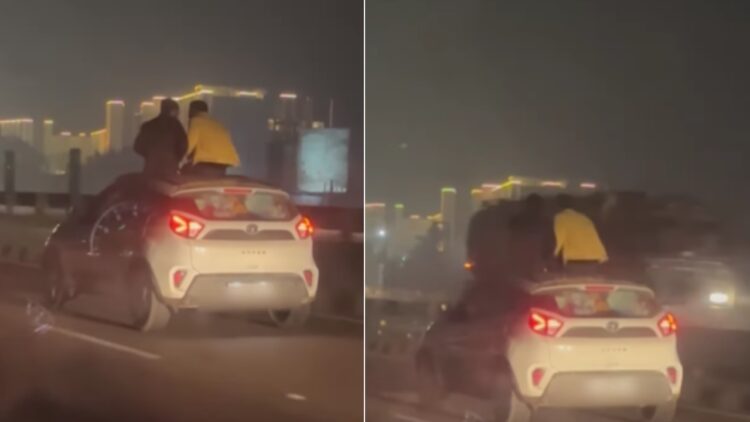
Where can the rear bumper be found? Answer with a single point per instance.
(605, 389)
(244, 292)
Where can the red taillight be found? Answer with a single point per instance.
(184, 226)
(668, 324)
(672, 375)
(544, 324)
(178, 277)
(537, 375)
(308, 274)
(304, 228)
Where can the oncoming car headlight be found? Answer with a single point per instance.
(718, 298)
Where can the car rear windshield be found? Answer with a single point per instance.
(242, 204)
(598, 302)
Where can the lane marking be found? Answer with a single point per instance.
(296, 397)
(105, 343)
(723, 413)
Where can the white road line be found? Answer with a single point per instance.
(731, 415)
(339, 318)
(105, 343)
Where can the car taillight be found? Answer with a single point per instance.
(668, 324)
(544, 324)
(672, 375)
(184, 226)
(308, 274)
(537, 375)
(304, 228)
(178, 277)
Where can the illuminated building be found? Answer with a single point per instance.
(147, 111)
(22, 129)
(100, 139)
(115, 124)
(516, 188)
(56, 148)
(376, 229)
(448, 213)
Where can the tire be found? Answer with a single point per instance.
(661, 413)
(54, 294)
(430, 382)
(146, 309)
(509, 406)
(290, 318)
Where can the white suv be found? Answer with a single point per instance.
(574, 343)
(223, 245)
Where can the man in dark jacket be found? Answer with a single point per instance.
(162, 142)
(532, 239)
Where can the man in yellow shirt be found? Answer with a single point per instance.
(210, 148)
(577, 241)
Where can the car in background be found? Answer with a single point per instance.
(221, 245)
(694, 282)
(574, 343)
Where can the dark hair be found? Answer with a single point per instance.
(564, 201)
(168, 105)
(197, 106)
(534, 201)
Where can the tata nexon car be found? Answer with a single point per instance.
(225, 245)
(581, 343)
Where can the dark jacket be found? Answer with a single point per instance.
(532, 244)
(162, 142)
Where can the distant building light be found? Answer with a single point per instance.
(206, 91)
(382, 233)
(15, 121)
(255, 94)
(448, 190)
(288, 96)
(553, 184)
(49, 122)
(399, 206)
(318, 125)
(65, 133)
(82, 134)
(147, 104)
(159, 97)
(588, 185)
(116, 102)
(415, 217)
(375, 205)
(476, 191)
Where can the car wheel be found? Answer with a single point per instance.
(509, 406)
(430, 382)
(290, 318)
(661, 413)
(54, 294)
(147, 311)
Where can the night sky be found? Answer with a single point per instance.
(64, 58)
(635, 94)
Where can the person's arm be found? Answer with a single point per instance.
(181, 141)
(140, 143)
(559, 234)
(193, 136)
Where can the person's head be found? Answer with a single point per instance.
(534, 204)
(169, 107)
(197, 107)
(564, 201)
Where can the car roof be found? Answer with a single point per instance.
(564, 281)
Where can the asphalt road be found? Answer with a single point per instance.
(87, 366)
(392, 397)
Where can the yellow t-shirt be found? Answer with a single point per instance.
(210, 142)
(577, 238)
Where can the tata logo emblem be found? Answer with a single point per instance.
(252, 229)
(613, 326)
